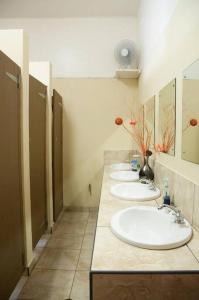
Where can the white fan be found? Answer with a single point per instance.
(125, 54)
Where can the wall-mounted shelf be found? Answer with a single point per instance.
(127, 73)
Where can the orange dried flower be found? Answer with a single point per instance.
(133, 122)
(193, 122)
(118, 121)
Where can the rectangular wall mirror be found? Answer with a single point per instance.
(167, 119)
(190, 114)
(149, 113)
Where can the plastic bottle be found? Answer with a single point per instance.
(166, 196)
(135, 163)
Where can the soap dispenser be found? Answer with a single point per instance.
(166, 196)
(135, 163)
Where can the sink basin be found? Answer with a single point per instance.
(125, 176)
(121, 167)
(150, 228)
(135, 191)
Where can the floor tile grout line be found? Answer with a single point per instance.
(83, 235)
(78, 258)
(64, 249)
(56, 269)
(75, 270)
(53, 269)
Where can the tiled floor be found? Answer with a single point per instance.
(62, 271)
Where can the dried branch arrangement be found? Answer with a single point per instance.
(137, 128)
(167, 130)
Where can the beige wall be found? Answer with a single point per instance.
(166, 58)
(90, 107)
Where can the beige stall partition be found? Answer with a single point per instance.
(11, 212)
(15, 44)
(37, 116)
(57, 143)
(42, 72)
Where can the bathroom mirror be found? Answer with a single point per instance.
(190, 113)
(149, 113)
(167, 119)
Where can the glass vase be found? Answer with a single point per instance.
(146, 171)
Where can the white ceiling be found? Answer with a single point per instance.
(67, 8)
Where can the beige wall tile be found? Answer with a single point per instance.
(184, 196)
(181, 192)
(111, 157)
(162, 173)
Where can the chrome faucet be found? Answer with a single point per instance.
(152, 185)
(177, 213)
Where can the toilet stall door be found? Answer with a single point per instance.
(57, 155)
(37, 108)
(11, 209)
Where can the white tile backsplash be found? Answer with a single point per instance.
(184, 196)
(120, 156)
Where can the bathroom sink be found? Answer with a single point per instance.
(125, 176)
(150, 228)
(134, 191)
(121, 167)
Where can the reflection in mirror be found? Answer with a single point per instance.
(190, 114)
(167, 119)
(149, 112)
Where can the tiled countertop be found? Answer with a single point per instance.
(111, 254)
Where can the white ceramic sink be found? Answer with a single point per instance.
(134, 191)
(125, 176)
(150, 228)
(121, 167)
